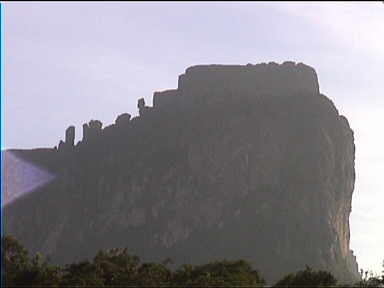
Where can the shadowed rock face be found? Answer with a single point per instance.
(70, 136)
(239, 162)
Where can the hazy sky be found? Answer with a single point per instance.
(68, 63)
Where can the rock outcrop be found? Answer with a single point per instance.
(123, 119)
(70, 136)
(92, 130)
(69, 143)
(238, 162)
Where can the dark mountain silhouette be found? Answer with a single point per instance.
(244, 162)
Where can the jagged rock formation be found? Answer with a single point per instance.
(123, 119)
(69, 143)
(70, 136)
(238, 162)
(92, 130)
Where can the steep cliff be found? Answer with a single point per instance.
(238, 162)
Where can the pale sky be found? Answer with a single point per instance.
(68, 63)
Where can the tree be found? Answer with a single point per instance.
(15, 259)
(82, 274)
(307, 278)
(219, 273)
(20, 270)
(370, 280)
(117, 267)
(39, 273)
(154, 275)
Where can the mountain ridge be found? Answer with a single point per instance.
(211, 170)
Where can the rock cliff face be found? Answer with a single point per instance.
(238, 162)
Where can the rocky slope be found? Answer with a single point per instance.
(238, 162)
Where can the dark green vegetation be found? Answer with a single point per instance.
(115, 267)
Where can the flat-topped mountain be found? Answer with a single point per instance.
(239, 161)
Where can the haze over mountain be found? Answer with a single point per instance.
(247, 162)
(63, 70)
